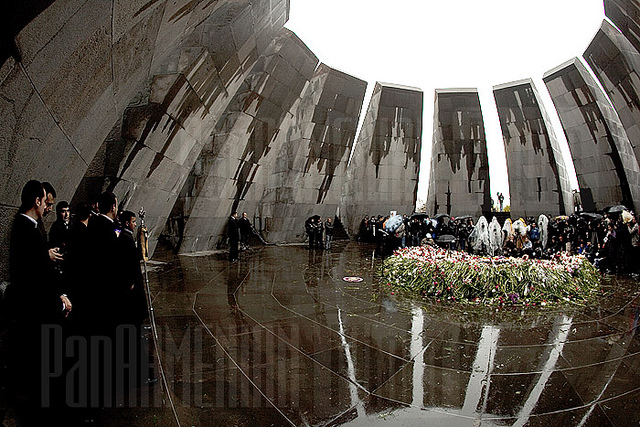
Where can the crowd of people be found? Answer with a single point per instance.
(83, 279)
(413, 231)
(610, 240)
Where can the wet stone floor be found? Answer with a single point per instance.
(279, 338)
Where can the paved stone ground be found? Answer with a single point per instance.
(279, 338)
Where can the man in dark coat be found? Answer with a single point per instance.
(319, 229)
(233, 233)
(35, 297)
(31, 268)
(78, 259)
(103, 289)
(246, 230)
(59, 236)
(135, 301)
(310, 228)
(60, 231)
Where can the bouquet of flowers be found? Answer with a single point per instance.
(458, 276)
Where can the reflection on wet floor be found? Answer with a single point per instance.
(279, 338)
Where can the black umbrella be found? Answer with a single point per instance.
(591, 215)
(617, 209)
(314, 217)
(446, 238)
(419, 215)
(441, 215)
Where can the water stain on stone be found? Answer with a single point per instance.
(596, 123)
(145, 7)
(398, 120)
(518, 108)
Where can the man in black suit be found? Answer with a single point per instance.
(59, 232)
(134, 302)
(78, 258)
(49, 201)
(103, 289)
(31, 268)
(130, 273)
(246, 230)
(35, 298)
(59, 235)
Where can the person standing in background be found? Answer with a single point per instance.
(233, 233)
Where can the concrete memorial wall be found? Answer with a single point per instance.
(459, 183)
(616, 64)
(625, 14)
(193, 109)
(383, 172)
(605, 164)
(311, 166)
(149, 154)
(538, 180)
(233, 171)
(119, 94)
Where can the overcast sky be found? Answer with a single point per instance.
(433, 44)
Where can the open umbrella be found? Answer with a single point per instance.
(616, 209)
(463, 217)
(308, 221)
(445, 239)
(393, 223)
(591, 215)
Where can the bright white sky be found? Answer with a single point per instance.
(435, 44)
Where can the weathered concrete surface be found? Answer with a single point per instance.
(233, 170)
(383, 171)
(148, 162)
(605, 164)
(616, 64)
(309, 174)
(459, 183)
(538, 180)
(625, 14)
(93, 74)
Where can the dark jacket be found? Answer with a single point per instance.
(102, 289)
(245, 226)
(233, 230)
(34, 291)
(328, 228)
(59, 235)
(133, 287)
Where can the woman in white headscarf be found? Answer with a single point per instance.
(495, 236)
(507, 231)
(479, 237)
(543, 227)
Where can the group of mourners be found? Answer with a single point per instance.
(79, 282)
(609, 240)
(395, 231)
(238, 232)
(320, 234)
